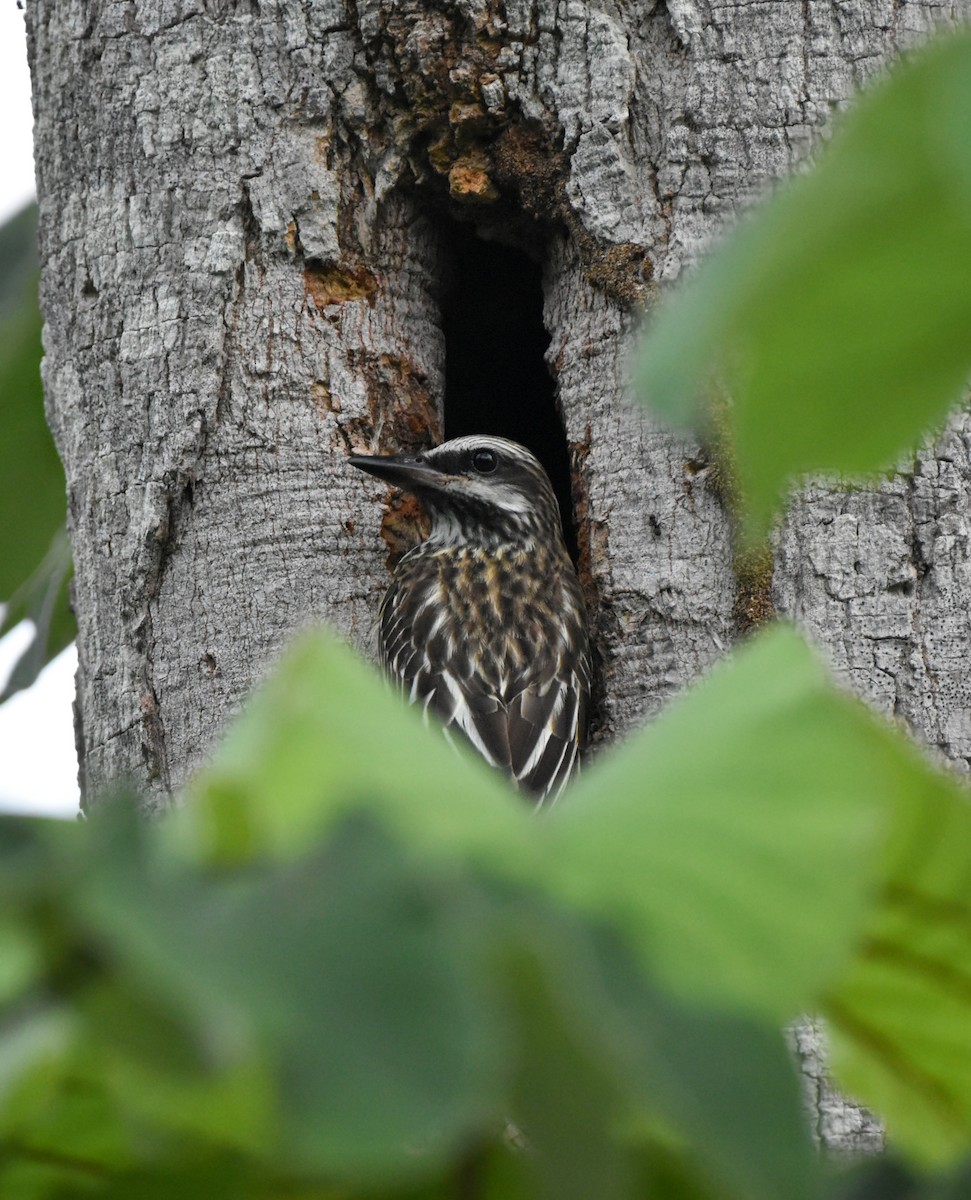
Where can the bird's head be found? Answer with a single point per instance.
(480, 490)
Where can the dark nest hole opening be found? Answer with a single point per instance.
(496, 378)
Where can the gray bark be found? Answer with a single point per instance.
(881, 578)
(240, 277)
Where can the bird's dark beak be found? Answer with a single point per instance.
(403, 470)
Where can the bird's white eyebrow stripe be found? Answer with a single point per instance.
(503, 495)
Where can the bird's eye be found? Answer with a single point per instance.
(485, 461)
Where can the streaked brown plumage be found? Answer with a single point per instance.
(484, 621)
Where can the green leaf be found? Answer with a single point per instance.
(357, 976)
(31, 1043)
(888, 1178)
(838, 316)
(611, 1066)
(735, 840)
(19, 960)
(31, 479)
(566, 1097)
(325, 736)
(43, 600)
(901, 1018)
(723, 1080)
(168, 1069)
(304, 757)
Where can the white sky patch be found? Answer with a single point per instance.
(38, 764)
(17, 176)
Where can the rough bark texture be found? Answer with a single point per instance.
(241, 281)
(881, 578)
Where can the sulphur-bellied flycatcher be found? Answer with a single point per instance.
(484, 621)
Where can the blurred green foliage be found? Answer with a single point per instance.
(427, 990)
(353, 965)
(35, 559)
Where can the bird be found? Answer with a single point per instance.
(484, 622)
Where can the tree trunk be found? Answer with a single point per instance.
(251, 266)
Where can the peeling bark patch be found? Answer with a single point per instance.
(457, 126)
(338, 285)
(471, 184)
(323, 399)
(414, 428)
(403, 408)
(355, 435)
(153, 744)
(403, 526)
(447, 84)
(402, 414)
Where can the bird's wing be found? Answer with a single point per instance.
(444, 683)
(532, 733)
(545, 726)
(546, 712)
